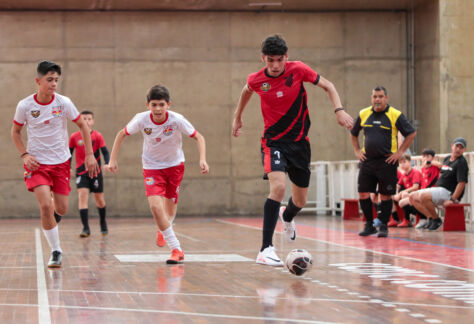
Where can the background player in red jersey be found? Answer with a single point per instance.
(285, 146)
(84, 183)
(46, 157)
(163, 160)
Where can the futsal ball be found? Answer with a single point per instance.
(298, 261)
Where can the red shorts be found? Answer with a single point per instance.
(164, 182)
(56, 176)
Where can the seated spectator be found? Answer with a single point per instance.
(409, 182)
(430, 174)
(449, 188)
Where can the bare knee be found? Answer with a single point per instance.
(277, 191)
(46, 207)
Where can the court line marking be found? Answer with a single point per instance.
(356, 248)
(357, 301)
(139, 310)
(24, 267)
(187, 237)
(44, 316)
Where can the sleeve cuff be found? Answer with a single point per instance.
(317, 80)
(126, 132)
(193, 134)
(17, 123)
(77, 118)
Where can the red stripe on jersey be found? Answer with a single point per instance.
(193, 134)
(292, 123)
(267, 161)
(126, 132)
(77, 118)
(40, 103)
(302, 126)
(17, 123)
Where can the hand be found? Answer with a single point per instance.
(393, 158)
(112, 167)
(30, 161)
(360, 155)
(236, 127)
(91, 165)
(446, 203)
(204, 167)
(344, 119)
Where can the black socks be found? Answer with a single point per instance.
(270, 218)
(290, 211)
(386, 208)
(84, 218)
(366, 206)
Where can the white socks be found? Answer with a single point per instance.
(171, 239)
(52, 236)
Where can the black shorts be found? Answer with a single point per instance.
(95, 185)
(373, 172)
(293, 158)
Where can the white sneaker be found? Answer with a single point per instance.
(269, 257)
(290, 228)
(421, 223)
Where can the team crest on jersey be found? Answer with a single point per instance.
(57, 111)
(149, 181)
(27, 175)
(147, 131)
(81, 142)
(265, 86)
(168, 130)
(35, 113)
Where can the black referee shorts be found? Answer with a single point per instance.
(95, 185)
(293, 158)
(377, 171)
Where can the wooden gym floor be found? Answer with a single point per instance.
(411, 277)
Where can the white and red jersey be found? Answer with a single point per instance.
(46, 126)
(162, 142)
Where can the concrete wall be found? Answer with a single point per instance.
(444, 45)
(110, 59)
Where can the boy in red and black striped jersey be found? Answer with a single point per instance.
(86, 184)
(284, 146)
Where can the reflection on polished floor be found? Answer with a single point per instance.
(411, 277)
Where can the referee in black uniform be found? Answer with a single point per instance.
(379, 155)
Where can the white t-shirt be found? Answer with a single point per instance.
(162, 143)
(46, 126)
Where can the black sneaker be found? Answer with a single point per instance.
(428, 223)
(383, 231)
(85, 233)
(369, 229)
(103, 228)
(436, 224)
(55, 260)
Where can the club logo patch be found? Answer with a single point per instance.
(149, 181)
(46, 122)
(27, 175)
(158, 139)
(168, 131)
(265, 86)
(57, 111)
(35, 113)
(80, 142)
(148, 131)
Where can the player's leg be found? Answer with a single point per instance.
(170, 209)
(387, 178)
(426, 200)
(366, 183)
(407, 208)
(100, 203)
(83, 202)
(161, 218)
(49, 225)
(299, 192)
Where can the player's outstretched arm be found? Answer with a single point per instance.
(343, 118)
(28, 159)
(201, 144)
(113, 164)
(243, 101)
(90, 162)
